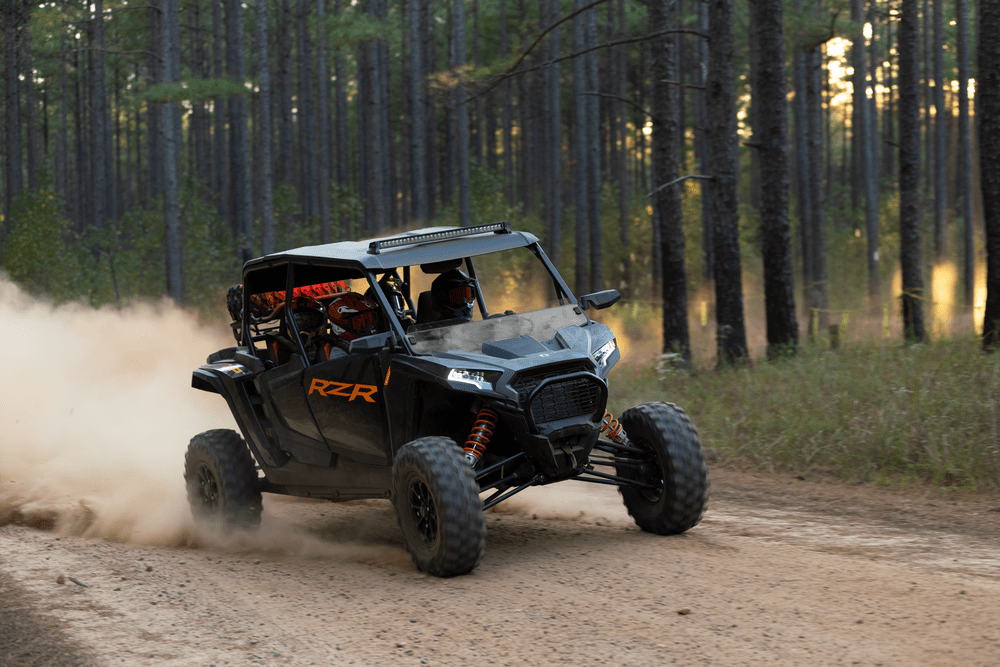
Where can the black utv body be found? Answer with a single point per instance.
(430, 413)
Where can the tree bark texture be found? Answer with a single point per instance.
(814, 104)
(581, 153)
(323, 125)
(239, 140)
(909, 174)
(866, 140)
(418, 135)
(723, 168)
(941, 114)
(964, 194)
(31, 122)
(170, 55)
(12, 112)
(306, 116)
(267, 134)
(462, 120)
(779, 300)
(664, 160)
(988, 120)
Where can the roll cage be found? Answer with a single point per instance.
(433, 248)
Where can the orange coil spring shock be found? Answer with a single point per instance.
(615, 431)
(479, 437)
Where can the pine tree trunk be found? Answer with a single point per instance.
(476, 133)
(12, 114)
(702, 146)
(909, 173)
(430, 108)
(307, 121)
(553, 136)
(581, 153)
(803, 193)
(266, 132)
(940, 137)
(753, 112)
(664, 110)
(964, 194)
(323, 124)
(418, 135)
(723, 168)
(594, 159)
(779, 299)
(343, 157)
(220, 170)
(462, 120)
(239, 142)
(988, 126)
(889, 131)
(170, 71)
(286, 140)
(858, 84)
(508, 112)
(621, 175)
(62, 136)
(814, 102)
(866, 139)
(31, 122)
(97, 113)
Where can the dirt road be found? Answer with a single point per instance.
(781, 571)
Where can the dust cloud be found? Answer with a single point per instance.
(97, 410)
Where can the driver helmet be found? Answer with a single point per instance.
(392, 287)
(353, 316)
(309, 315)
(452, 294)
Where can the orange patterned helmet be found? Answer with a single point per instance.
(353, 315)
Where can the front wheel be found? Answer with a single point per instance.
(221, 480)
(671, 490)
(437, 502)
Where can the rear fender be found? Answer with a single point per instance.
(232, 381)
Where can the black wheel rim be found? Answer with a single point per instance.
(208, 486)
(651, 473)
(423, 511)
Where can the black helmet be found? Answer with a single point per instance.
(452, 294)
(309, 314)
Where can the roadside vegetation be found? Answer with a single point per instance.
(888, 414)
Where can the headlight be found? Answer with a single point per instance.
(603, 352)
(480, 379)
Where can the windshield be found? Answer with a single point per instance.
(518, 294)
(541, 325)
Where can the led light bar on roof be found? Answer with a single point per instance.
(375, 247)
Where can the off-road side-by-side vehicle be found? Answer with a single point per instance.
(344, 388)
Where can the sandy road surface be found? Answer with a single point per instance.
(781, 571)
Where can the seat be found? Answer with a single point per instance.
(425, 308)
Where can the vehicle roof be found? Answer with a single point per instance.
(420, 252)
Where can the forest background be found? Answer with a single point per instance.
(754, 172)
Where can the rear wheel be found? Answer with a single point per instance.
(221, 480)
(437, 502)
(671, 491)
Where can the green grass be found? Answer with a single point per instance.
(889, 415)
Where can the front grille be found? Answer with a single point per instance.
(525, 383)
(562, 400)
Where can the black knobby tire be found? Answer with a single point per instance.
(437, 503)
(221, 480)
(673, 464)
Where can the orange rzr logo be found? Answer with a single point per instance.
(345, 389)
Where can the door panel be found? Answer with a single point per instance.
(346, 398)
